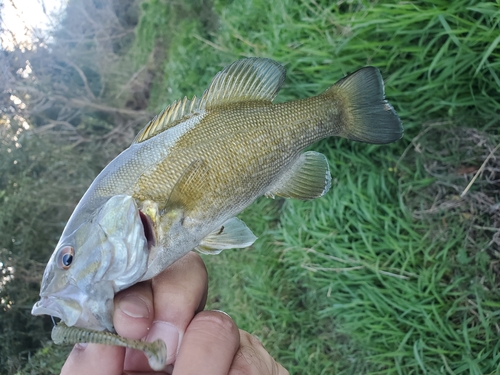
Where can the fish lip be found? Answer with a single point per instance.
(74, 308)
(49, 305)
(68, 311)
(39, 309)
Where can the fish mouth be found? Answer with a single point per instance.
(69, 311)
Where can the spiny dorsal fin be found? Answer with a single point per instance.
(247, 79)
(169, 117)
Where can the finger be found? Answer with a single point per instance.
(253, 359)
(179, 293)
(94, 359)
(134, 311)
(209, 345)
(132, 318)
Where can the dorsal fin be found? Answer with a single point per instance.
(247, 79)
(168, 117)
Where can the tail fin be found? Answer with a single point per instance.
(370, 118)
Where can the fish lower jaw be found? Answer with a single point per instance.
(41, 310)
(48, 306)
(67, 311)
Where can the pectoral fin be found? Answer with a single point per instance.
(189, 188)
(308, 178)
(233, 234)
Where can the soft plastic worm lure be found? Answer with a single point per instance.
(156, 351)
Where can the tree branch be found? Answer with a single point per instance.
(83, 77)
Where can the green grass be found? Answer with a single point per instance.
(438, 59)
(388, 273)
(358, 281)
(351, 283)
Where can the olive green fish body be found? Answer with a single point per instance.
(192, 169)
(242, 160)
(243, 149)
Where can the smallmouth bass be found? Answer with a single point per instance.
(191, 170)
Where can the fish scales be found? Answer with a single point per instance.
(191, 170)
(243, 151)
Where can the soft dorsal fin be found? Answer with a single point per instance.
(170, 116)
(247, 79)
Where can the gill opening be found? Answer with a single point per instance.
(147, 224)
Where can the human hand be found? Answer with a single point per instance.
(170, 307)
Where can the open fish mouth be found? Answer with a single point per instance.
(69, 311)
(70, 305)
(65, 309)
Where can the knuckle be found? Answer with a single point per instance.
(252, 358)
(193, 262)
(279, 369)
(217, 322)
(250, 340)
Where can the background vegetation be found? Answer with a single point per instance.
(392, 272)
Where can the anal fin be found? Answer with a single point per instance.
(308, 178)
(232, 234)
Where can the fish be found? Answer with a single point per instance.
(192, 169)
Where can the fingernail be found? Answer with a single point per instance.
(225, 313)
(134, 306)
(168, 333)
(81, 346)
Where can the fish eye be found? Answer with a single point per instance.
(65, 257)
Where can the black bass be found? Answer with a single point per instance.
(191, 170)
